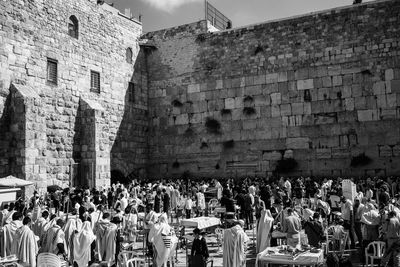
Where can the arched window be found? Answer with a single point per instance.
(73, 27)
(129, 55)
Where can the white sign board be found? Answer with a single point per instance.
(349, 189)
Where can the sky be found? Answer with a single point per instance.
(162, 14)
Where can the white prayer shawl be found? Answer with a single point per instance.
(105, 240)
(370, 215)
(82, 245)
(55, 235)
(263, 231)
(27, 246)
(73, 224)
(10, 236)
(8, 217)
(201, 202)
(3, 216)
(157, 234)
(38, 227)
(95, 217)
(235, 240)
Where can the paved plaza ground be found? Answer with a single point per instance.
(216, 252)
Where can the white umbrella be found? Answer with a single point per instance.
(12, 181)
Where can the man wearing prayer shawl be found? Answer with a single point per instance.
(27, 244)
(3, 215)
(163, 239)
(73, 224)
(54, 239)
(9, 235)
(264, 228)
(81, 243)
(105, 236)
(38, 227)
(235, 242)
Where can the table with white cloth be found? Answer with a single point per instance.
(201, 222)
(272, 255)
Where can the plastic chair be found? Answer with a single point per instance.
(220, 236)
(136, 262)
(48, 260)
(378, 248)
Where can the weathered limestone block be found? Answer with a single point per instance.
(229, 103)
(193, 88)
(286, 110)
(305, 84)
(298, 143)
(276, 98)
(367, 115)
(323, 153)
(272, 155)
(385, 151)
(395, 86)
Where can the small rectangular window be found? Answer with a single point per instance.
(95, 81)
(52, 71)
(131, 92)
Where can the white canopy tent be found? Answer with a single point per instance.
(12, 181)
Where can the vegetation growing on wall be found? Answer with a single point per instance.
(176, 103)
(229, 144)
(213, 126)
(249, 111)
(360, 160)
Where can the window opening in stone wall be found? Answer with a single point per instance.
(129, 55)
(73, 27)
(131, 92)
(95, 81)
(52, 71)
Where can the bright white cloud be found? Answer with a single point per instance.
(168, 5)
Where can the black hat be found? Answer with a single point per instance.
(116, 220)
(196, 231)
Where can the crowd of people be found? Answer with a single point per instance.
(86, 226)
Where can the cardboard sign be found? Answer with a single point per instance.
(349, 190)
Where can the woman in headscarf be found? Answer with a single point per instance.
(81, 242)
(163, 239)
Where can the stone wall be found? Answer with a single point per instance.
(321, 88)
(31, 32)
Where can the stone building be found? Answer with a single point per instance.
(84, 94)
(68, 86)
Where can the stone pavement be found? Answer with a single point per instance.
(215, 251)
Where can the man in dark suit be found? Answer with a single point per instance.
(314, 230)
(199, 249)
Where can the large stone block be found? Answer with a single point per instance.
(305, 84)
(298, 143)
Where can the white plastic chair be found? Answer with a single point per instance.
(220, 236)
(136, 262)
(48, 260)
(378, 248)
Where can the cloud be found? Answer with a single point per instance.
(169, 5)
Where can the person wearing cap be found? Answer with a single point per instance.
(199, 253)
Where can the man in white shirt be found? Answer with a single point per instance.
(124, 202)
